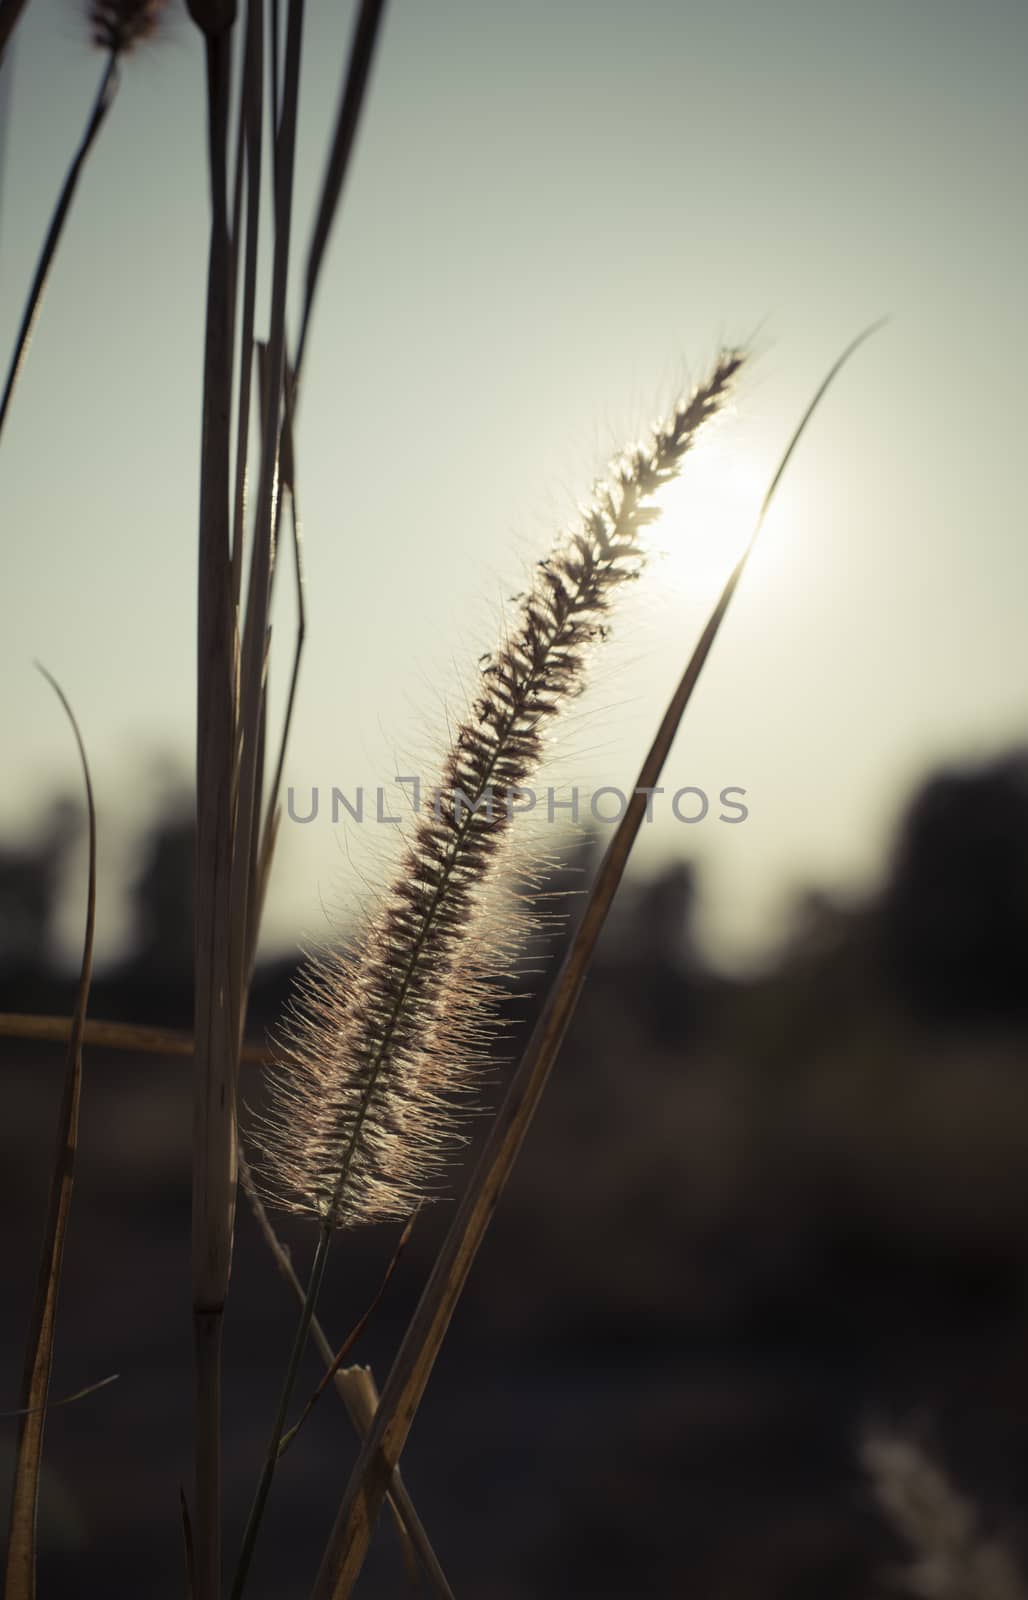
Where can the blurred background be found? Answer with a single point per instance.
(776, 1193)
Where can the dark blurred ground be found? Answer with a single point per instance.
(753, 1217)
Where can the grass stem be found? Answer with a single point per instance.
(215, 1061)
(101, 105)
(260, 1498)
(20, 1568)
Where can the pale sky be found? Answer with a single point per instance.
(557, 211)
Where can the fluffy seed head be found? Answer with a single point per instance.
(120, 25)
(953, 1557)
(381, 1042)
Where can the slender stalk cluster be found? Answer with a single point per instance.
(382, 1042)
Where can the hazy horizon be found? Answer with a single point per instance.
(556, 214)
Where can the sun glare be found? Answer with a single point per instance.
(708, 516)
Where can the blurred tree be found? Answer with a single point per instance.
(648, 956)
(30, 880)
(955, 913)
(162, 896)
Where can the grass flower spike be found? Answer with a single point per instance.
(383, 1042)
(363, 1101)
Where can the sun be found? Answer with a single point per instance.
(708, 515)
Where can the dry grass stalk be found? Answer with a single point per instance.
(362, 52)
(117, 26)
(10, 12)
(112, 1035)
(233, 850)
(246, 894)
(250, 846)
(213, 17)
(287, 487)
(101, 105)
(214, 1115)
(953, 1560)
(248, 156)
(358, 1512)
(356, 1388)
(253, 657)
(231, 716)
(20, 1576)
(351, 105)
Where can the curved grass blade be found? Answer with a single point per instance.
(351, 1338)
(188, 1550)
(356, 1388)
(20, 1577)
(358, 70)
(269, 831)
(10, 11)
(66, 1399)
(101, 105)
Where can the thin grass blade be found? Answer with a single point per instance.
(10, 11)
(356, 1388)
(351, 1338)
(101, 105)
(269, 831)
(20, 1577)
(187, 1543)
(66, 1399)
(358, 71)
(249, 154)
(214, 1108)
(253, 657)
